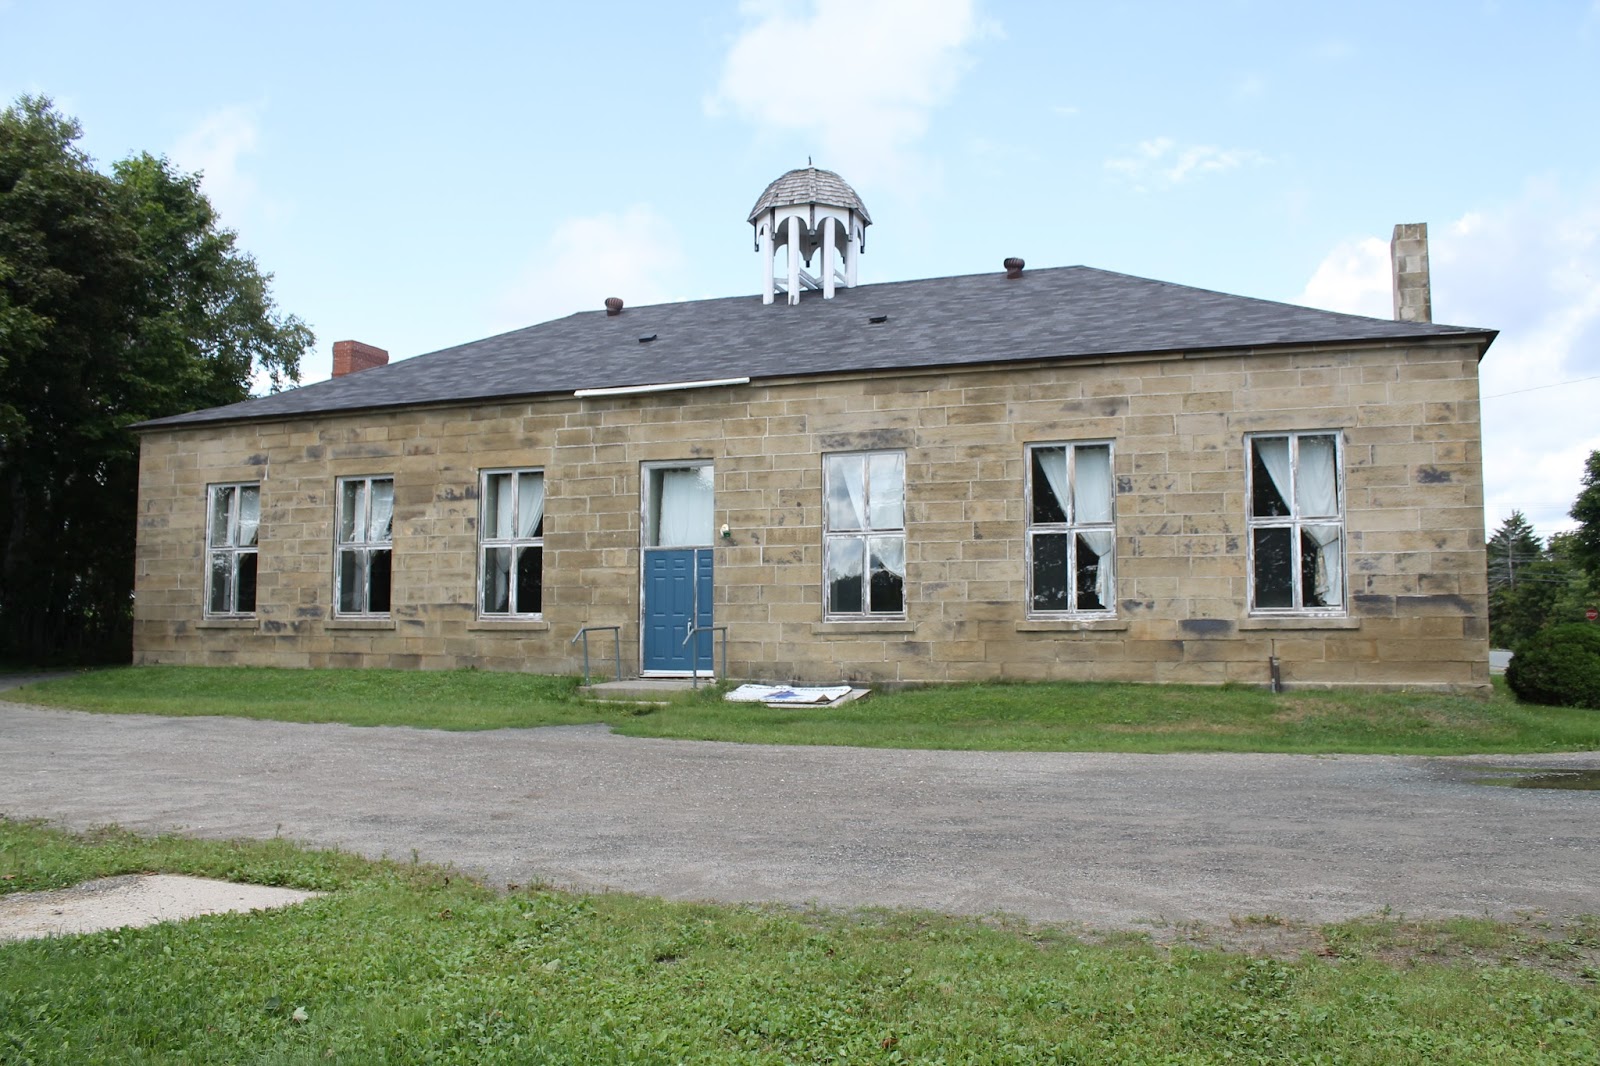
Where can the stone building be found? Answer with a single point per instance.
(1029, 473)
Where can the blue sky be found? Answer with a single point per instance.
(417, 175)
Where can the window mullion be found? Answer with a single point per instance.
(1070, 509)
(511, 549)
(366, 545)
(866, 554)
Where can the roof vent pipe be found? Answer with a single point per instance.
(1014, 267)
(613, 306)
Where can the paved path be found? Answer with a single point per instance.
(1104, 839)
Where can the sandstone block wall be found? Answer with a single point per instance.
(1417, 612)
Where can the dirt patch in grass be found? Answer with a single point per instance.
(1296, 711)
(1188, 725)
(1564, 948)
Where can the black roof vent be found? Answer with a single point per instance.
(876, 319)
(647, 340)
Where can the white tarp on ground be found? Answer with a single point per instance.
(785, 694)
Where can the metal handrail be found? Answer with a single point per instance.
(584, 633)
(694, 665)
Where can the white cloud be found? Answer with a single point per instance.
(1161, 161)
(635, 255)
(1529, 268)
(862, 76)
(1354, 278)
(215, 146)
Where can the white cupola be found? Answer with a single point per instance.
(807, 210)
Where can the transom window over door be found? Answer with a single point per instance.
(234, 518)
(365, 538)
(1071, 530)
(679, 511)
(511, 544)
(1296, 523)
(864, 535)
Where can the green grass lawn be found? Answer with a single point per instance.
(1035, 717)
(410, 964)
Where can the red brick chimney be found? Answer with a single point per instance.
(350, 356)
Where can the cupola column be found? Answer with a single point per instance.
(768, 254)
(830, 255)
(796, 243)
(852, 254)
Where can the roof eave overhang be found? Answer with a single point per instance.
(1480, 338)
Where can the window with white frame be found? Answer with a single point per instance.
(364, 568)
(864, 535)
(1296, 522)
(511, 544)
(234, 517)
(1071, 530)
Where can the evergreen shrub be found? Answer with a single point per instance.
(1558, 666)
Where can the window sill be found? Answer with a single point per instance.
(866, 625)
(509, 625)
(228, 623)
(1072, 625)
(1300, 622)
(359, 623)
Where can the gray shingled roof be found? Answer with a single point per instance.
(810, 185)
(1061, 313)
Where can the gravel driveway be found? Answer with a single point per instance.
(1109, 840)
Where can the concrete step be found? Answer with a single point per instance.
(639, 689)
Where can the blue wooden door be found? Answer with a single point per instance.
(677, 588)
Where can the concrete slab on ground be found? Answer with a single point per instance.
(639, 689)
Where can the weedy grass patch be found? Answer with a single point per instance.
(424, 699)
(402, 963)
(1144, 718)
(1058, 716)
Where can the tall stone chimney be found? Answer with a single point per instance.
(1408, 251)
(350, 356)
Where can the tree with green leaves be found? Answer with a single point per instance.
(1586, 511)
(121, 299)
(1532, 586)
(1514, 545)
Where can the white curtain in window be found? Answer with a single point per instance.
(1091, 486)
(350, 508)
(378, 529)
(221, 506)
(888, 485)
(1274, 453)
(1330, 564)
(530, 504)
(847, 492)
(1316, 480)
(1053, 461)
(249, 515)
(684, 509)
(497, 504)
(889, 553)
(1101, 541)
